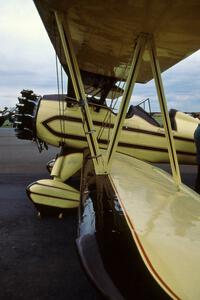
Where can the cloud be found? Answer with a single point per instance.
(181, 85)
(27, 56)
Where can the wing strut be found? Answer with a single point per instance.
(131, 80)
(143, 41)
(102, 167)
(163, 106)
(80, 96)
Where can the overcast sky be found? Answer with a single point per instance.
(28, 62)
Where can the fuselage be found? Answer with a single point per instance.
(59, 123)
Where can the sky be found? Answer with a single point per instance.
(28, 62)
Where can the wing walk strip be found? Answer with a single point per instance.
(141, 248)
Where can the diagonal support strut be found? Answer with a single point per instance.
(163, 106)
(135, 66)
(103, 166)
(80, 96)
(143, 41)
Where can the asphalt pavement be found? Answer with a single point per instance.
(38, 257)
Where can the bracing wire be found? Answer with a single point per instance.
(57, 73)
(58, 90)
(62, 100)
(59, 81)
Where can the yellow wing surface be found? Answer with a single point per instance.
(165, 224)
(104, 32)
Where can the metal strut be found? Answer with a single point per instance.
(135, 66)
(143, 41)
(164, 110)
(102, 167)
(80, 96)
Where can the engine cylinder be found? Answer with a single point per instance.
(24, 121)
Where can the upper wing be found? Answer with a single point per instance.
(104, 32)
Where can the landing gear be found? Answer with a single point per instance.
(54, 197)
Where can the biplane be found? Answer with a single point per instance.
(139, 228)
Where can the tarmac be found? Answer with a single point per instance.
(38, 257)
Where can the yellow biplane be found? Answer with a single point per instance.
(139, 228)
(142, 136)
